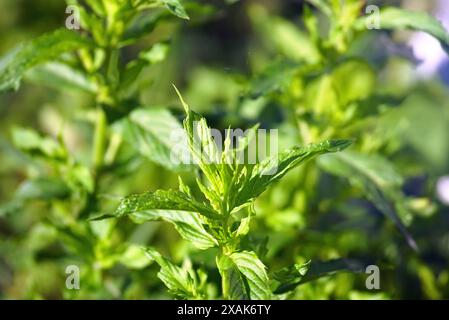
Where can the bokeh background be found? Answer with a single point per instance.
(212, 58)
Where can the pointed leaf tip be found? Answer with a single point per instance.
(101, 217)
(184, 104)
(339, 145)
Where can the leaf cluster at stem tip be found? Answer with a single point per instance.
(223, 214)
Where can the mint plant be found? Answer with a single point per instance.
(329, 86)
(89, 116)
(88, 61)
(223, 216)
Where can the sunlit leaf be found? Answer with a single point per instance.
(254, 272)
(172, 206)
(273, 169)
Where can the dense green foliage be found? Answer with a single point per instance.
(91, 176)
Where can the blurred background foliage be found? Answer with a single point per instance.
(239, 63)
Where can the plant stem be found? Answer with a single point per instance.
(100, 138)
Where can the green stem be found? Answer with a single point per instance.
(99, 140)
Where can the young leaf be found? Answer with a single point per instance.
(247, 182)
(202, 146)
(45, 48)
(376, 177)
(243, 228)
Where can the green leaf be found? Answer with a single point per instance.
(77, 239)
(134, 257)
(321, 269)
(203, 147)
(323, 6)
(233, 283)
(275, 78)
(188, 224)
(243, 228)
(61, 76)
(31, 142)
(178, 281)
(156, 53)
(175, 207)
(321, 97)
(283, 36)
(392, 18)
(353, 80)
(78, 177)
(273, 169)
(141, 26)
(163, 200)
(220, 167)
(96, 6)
(156, 134)
(289, 278)
(333, 95)
(129, 79)
(45, 48)
(43, 189)
(254, 273)
(377, 178)
(240, 184)
(176, 8)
